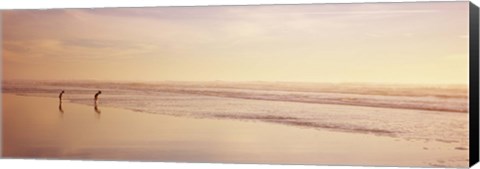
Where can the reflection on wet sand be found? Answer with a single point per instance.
(60, 108)
(31, 132)
(97, 110)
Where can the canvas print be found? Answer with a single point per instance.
(375, 84)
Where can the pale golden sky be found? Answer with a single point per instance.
(368, 43)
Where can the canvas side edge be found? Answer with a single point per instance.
(474, 84)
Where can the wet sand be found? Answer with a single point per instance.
(34, 127)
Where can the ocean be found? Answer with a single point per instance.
(410, 112)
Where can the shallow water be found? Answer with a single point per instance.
(408, 112)
(43, 130)
(423, 113)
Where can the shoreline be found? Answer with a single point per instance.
(399, 97)
(268, 145)
(290, 121)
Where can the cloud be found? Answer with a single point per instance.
(75, 49)
(181, 42)
(96, 44)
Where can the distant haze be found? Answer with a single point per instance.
(419, 43)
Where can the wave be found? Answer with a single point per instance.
(452, 98)
(431, 116)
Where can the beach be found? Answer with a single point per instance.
(263, 84)
(42, 130)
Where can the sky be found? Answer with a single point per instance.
(414, 43)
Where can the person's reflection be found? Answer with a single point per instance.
(60, 109)
(97, 110)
